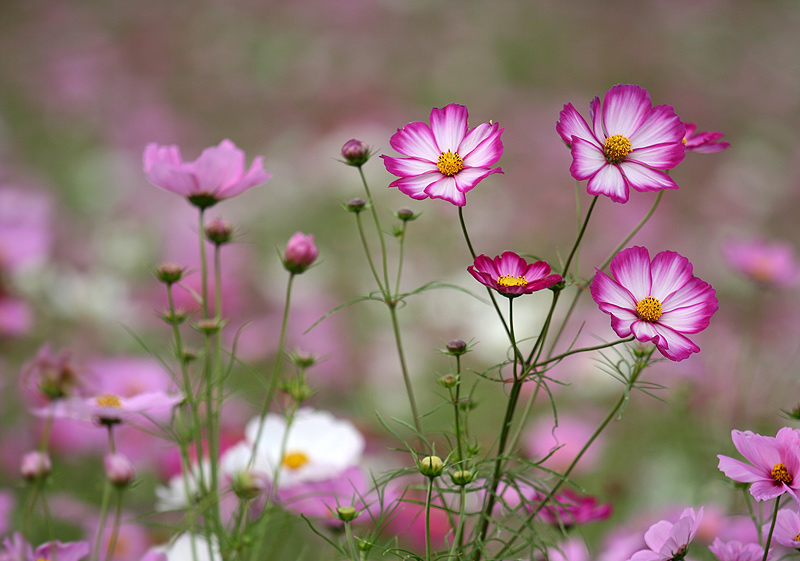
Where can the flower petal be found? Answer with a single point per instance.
(403, 167)
(660, 156)
(661, 126)
(631, 268)
(610, 182)
(625, 108)
(468, 178)
(643, 178)
(739, 471)
(416, 140)
(607, 291)
(690, 319)
(445, 188)
(672, 344)
(484, 153)
(587, 159)
(256, 175)
(596, 118)
(414, 185)
(176, 179)
(571, 123)
(218, 167)
(670, 271)
(449, 126)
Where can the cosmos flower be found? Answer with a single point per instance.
(736, 551)
(628, 144)
(787, 528)
(17, 549)
(667, 541)
(768, 264)
(703, 142)
(445, 159)
(218, 173)
(658, 301)
(774, 467)
(510, 275)
(110, 408)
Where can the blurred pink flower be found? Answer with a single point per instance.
(656, 301)
(703, 142)
(446, 159)
(119, 469)
(35, 465)
(561, 444)
(111, 408)
(770, 264)
(26, 234)
(568, 509)
(787, 528)
(667, 541)
(300, 253)
(628, 144)
(218, 173)
(53, 375)
(510, 275)
(737, 551)
(18, 549)
(775, 468)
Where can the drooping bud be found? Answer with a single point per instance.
(169, 273)
(35, 465)
(355, 152)
(346, 513)
(119, 469)
(356, 205)
(431, 466)
(218, 231)
(300, 253)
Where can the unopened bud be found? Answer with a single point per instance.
(35, 465)
(448, 381)
(456, 347)
(245, 485)
(300, 253)
(219, 231)
(119, 470)
(431, 466)
(169, 273)
(462, 477)
(208, 326)
(356, 205)
(406, 214)
(302, 359)
(355, 152)
(346, 513)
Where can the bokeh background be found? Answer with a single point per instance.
(85, 85)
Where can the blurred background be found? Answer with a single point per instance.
(85, 85)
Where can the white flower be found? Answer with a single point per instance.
(173, 496)
(181, 549)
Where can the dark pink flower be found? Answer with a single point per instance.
(219, 173)
(570, 509)
(658, 301)
(703, 142)
(300, 253)
(736, 551)
(510, 275)
(446, 159)
(774, 467)
(667, 541)
(17, 549)
(628, 145)
(769, 264)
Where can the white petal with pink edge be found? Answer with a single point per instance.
(607, 291)
(449, 125)
(414, 186)
(643, 179)
(674, 346)
(645, 331)
(445, 188)
(625, 108)
(587, 159)
(631, 268)
(660, 156)
(608, 181)
(475, 137)
(693, 292)
(416, 140)
(403, 167)
(486, 153)
(595, 111)
(468, 178)
(691, 319)
(669, 271)
(621, 320)
(571, 123)
(662, 125)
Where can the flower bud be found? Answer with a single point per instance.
(355, 152)
(208, 326)
(245, 485)
(302, 359)
(448, 381)
(300, 253)
(346, 513)
(119, 470)
(456, 347)
(218, 231)
(35, 465)
(356, 205)
(462, 477)
(406, 214)
(169, 273)
(431, 466)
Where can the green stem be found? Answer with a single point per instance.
(428, 520)
(404, 367)
(378, 227)
(348, 532)
(112, 544)
(638, 227)
(401, 241)
(579, 238)
(104, 503)
(203, 264)
(367, 252)
(771, 528)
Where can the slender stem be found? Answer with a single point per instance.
(428, 519)
(404, 367)
(203, 264)
(455, 397)
(377, 226)
(580, 237)
(583, 350)
(638, 227)
(103, 516)
(348, 532)
(367, 252)
(401, 241)
(771, 528)
(112, 544)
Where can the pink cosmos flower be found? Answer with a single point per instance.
(658, 301)
(736, 551)
(17, 549)
(628, 144)
(703, 142)
(667, 541)
(110, 408)
(787, 528)
(218, 173)
(510, 275)
(569, 509)
(768, 264)
(775, 468)
(446, 159)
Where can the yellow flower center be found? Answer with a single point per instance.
(450, 164)
(616, 148)
(508, 280)
(294, 460)
(797, 537)
(649, 309)
(109, 400)
(781, 474)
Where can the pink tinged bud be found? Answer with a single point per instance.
(35, 465)
(218, 231)
(300, 253)
(355, 152)
(119, 470)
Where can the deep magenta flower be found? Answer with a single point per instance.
(667, 541)
(510, 275)
(17, 549)
(569, 509)
(445, 159)
(775, 468)
(658, 301)
(218, 173)
(736, 551)
(703, 142)
(769, 264)
(628, 145)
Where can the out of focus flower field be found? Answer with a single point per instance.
(85, 86)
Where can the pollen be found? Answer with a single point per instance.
(294, 460)
(780, 474)
(649, 309)
(616, 148)
(109, 400)
(508, 280)
(450, 164)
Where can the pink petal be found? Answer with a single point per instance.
(486, 152)
(606, 291)
(670, 271)
(645, 331)
(178, 180)
(625, 108)
(218, 167)
(597, 122)
(622, 321)
(695, 291)
(510, 264)
(153, 154)
(660, 156)
(672, 344)
(537, 270)
(449, 126)
(416, 140)
(445, 188)
(486, 264)
(661, 126)
(587, 159)
(643, 179)
(403, 167)
(468, 178)
(657, 535)
(766, 490)
(571, 123)
(256, 175)
(610, 182)
(414, 186)
(739, 471)
(631, 268)
(691, 319)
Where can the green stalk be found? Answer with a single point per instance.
(369, 255)
(377, 226)
(771, 528)
(428, 519)
(348, 532)
(404, 367)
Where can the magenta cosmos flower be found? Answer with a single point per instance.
(775, 468)
(703, 142)
(667, 541)
(510, 275)
(219, 173)
(445, 159)
(768, 264)
(628, 145)
(658, 301)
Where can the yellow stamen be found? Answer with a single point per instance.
(294, 460)
(508, 280)
(781, 474)
(797, 537)
(109, 400)
(649, 309)
(616, 148)
(450, 164)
